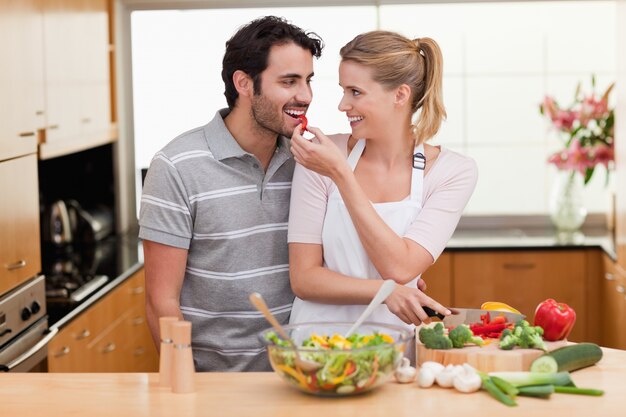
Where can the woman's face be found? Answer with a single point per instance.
(368, 105)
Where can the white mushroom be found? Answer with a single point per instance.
(467, 380)
(405, 372)
(445, 378)
(426, 377)
(434, 367)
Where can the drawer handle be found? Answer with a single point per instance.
(64, 351)
(39, 113)
(519, 266)
(84, 334)
(26, 134)
(17, 265)
(136, 290)
(609, 276)
(139, 351)
(620, 289)
(85, 120)
(137, 321)
(53, 127)
(109, 348)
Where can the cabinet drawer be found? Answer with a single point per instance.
(522, 279)
(109, 337)
(20, 257)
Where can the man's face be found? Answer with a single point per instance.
(285, 89)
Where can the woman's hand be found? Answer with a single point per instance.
(406, 303)
(320, 154)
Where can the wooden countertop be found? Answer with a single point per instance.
(264, 394)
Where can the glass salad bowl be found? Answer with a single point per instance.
(350, 366)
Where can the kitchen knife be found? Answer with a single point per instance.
(470, 315)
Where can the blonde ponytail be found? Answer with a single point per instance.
(431, 102)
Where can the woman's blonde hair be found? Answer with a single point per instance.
(397, 60)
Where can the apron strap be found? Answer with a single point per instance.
(417, 175)
(356, 153)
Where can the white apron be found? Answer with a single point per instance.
(344, 253)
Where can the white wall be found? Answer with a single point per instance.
(500, 59)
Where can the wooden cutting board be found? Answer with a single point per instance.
(488, 358)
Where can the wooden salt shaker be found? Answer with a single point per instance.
(183, 379)
(166, 356)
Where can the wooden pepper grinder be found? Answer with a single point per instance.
(183, 379)
(166, 356)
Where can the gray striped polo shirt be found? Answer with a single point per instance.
(206, 194)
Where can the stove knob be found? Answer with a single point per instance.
(35, 307)
(26, 313)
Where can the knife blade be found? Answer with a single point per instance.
(470, 315)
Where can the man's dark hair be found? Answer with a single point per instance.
(249, 48)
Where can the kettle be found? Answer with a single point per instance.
(90, 225)
(58, 224)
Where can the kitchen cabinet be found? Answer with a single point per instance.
(613, 306)
(111, 336)
(21, 77)
(522, 279)
(20, 256)
(77, 76)
(438, 279)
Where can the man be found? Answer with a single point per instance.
(215, 201)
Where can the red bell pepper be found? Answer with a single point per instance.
(556, 319)
(488, 328)
(304, 121)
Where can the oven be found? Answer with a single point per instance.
(24, 332)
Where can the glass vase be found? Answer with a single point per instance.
(567, 209)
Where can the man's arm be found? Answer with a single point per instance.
(165, 270)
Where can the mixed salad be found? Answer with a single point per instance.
(347, 365)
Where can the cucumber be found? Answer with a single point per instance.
(544, 364)
(568, 358)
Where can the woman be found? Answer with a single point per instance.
(379, 203)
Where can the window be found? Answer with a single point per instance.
(500, 59)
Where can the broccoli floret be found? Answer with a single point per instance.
(273, 337)
(523, 335)
(533, 340)
(461, 335)
(434, 338)
(508, 340)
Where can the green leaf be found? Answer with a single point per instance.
(588, 174)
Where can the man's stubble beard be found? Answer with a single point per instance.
(268, 118)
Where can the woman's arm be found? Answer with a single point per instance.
(311, 281)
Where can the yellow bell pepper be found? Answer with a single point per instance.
(297, 375)
(498, 306)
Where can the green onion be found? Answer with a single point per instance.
(579, 391)
(537, 391)
(496, 392)
(520, 379)
(505, 386)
